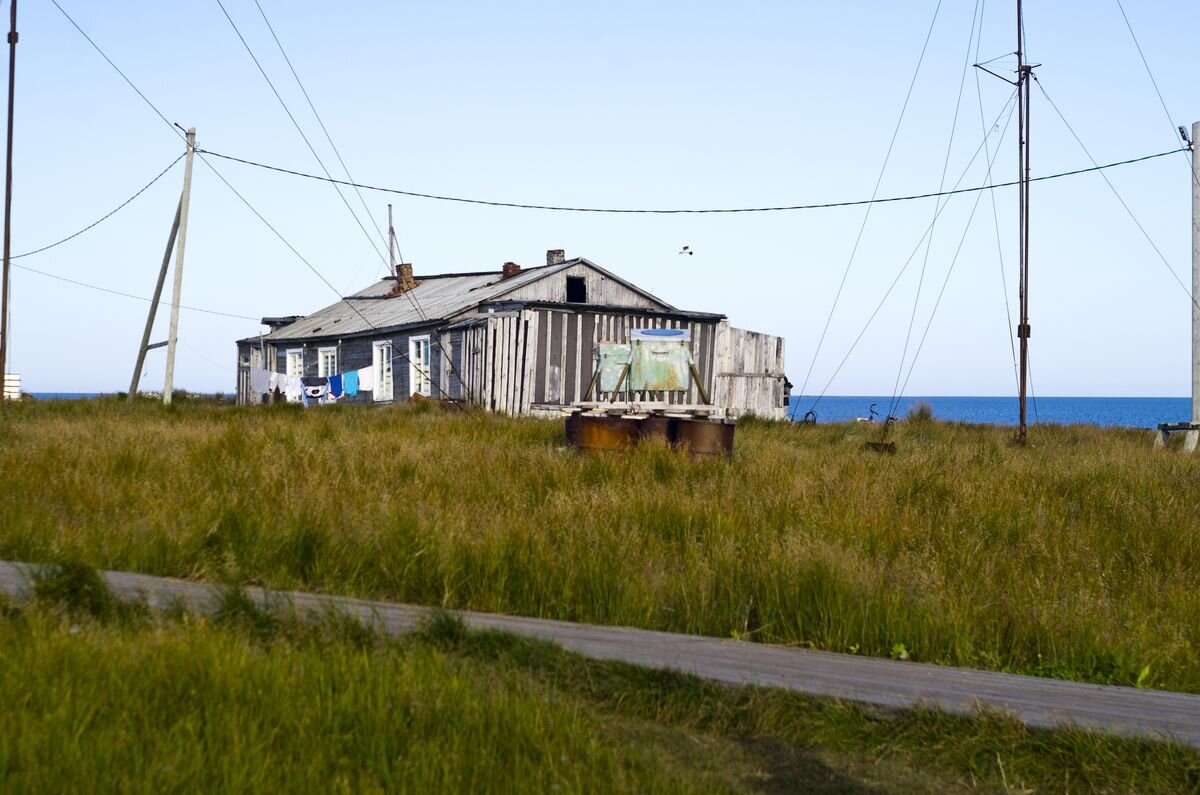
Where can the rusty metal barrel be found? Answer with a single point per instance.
(606, 433)
(657, 426)
(702, 437)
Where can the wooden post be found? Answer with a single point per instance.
(162, 277)
(184, 201)
(8, 179)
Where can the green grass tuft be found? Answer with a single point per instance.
(75, 587)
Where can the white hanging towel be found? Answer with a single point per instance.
(366, 378)
(259, 380)
(292, 388)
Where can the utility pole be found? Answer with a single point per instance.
(184, 201)
(8, 178)
(158, 286)
(1191, 440)
(391, 243)
(1024, 78)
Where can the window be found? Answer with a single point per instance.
(576, 290)
(327, 361)
(382, 362)
(418, 368)
(295, 362)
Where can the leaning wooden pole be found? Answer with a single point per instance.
(8, 180)
(158, 287)
(180, 243)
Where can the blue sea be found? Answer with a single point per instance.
(1125, 412)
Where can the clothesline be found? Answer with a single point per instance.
(306, 388)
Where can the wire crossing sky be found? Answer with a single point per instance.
(617, 114)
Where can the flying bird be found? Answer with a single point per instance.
(686, 250)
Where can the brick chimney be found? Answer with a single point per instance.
(510, 270)
(404, 278)
(556, 256)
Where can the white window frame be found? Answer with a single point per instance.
(327, 361)
(381, 361)
(295, 362)
(420, 372)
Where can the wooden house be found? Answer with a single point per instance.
(518, 341)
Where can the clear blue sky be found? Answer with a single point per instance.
(667, 104)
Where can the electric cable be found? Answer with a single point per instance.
(131, 295)
(307, 142)
(937, 303)
(1008, 326)
(867, 213)
(321, 122)
(137, 90)
(105, 217)
(1153, 82)
(962, 81)
(695, 211)
(1010, 107)
(1142, 229)
(213, 168)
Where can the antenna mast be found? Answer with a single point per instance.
(1024, 77)
(391, 243)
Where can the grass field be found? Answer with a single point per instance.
(1075, 557)
(97, 696)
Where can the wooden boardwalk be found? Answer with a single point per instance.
(886, 683)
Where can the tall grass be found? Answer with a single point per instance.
(97, 700)
(1073, 557)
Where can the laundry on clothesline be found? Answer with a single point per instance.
(312, 388)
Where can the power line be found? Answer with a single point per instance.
(1113, 188)
(1010, 107)
(130, 295)
(1150, 74)
(995, 214)
(106, 216)
(138, 91)
(897, 390)
(295, 123)
(693, 211)
(219, 176)
(874, 194)
(320, 121)
(411, 299)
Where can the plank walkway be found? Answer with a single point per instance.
(1036, 701)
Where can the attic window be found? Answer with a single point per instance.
(576, 290)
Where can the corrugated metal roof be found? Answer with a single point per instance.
(439, 298)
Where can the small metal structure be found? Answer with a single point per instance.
(701, 431)
(653, 361)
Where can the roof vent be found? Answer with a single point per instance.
(556, 256)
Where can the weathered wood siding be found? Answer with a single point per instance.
(600, 290)
(749, 373)
(510, 361)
